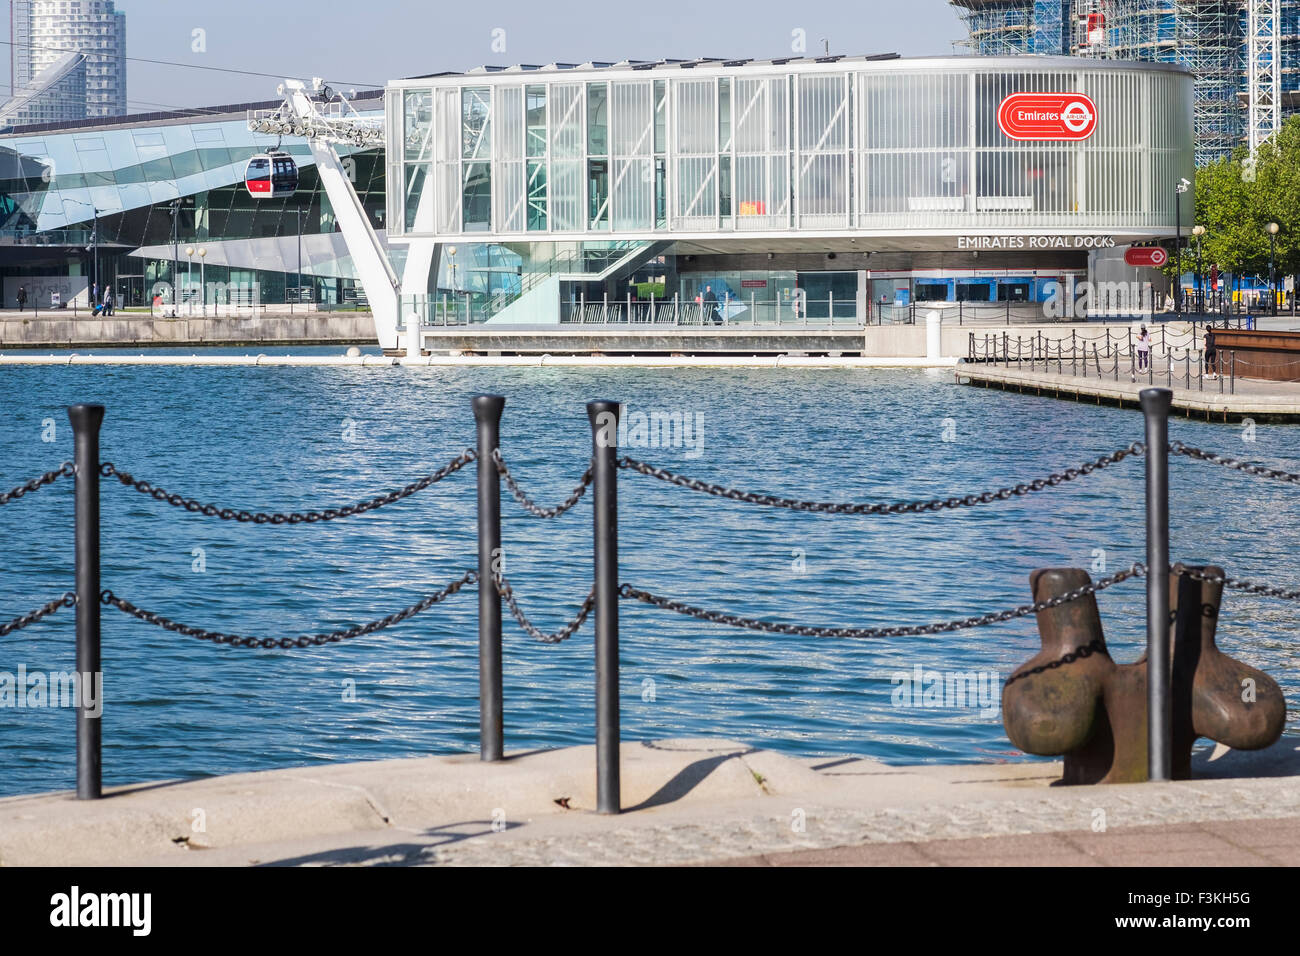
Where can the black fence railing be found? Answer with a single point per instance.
(1188, 366)
(602, 600)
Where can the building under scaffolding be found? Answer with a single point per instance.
(1244, 54)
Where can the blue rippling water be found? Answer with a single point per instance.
(275, 439)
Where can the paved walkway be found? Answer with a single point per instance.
(686, 801)
(1253, 397)
(1223, 843)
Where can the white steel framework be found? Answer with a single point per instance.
(1264, 70)
(324, 119)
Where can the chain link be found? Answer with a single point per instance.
(528, 503)
(306, 640)
(1179, 448)
(1095, 646)
(1236, 584)
(900, 507)
(69, 599)
(627, 591)
(508, 595)
(66, 470)
(108, 469)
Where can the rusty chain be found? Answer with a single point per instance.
(66, 470)
(285, 643)
(508, 595)
(69, 599)
(994, 617)
(528, 503)
(880, 508)
(1179, 448)
(108, 469)
(1095, 646)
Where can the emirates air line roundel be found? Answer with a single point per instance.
(1055, 116)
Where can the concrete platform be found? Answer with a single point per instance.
(687, 801)
(1254, 398)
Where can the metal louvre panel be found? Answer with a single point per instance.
(761, 148)
(632, 142)
(568, 147)
(509, 194)
(447, 159)
(695, 132)
(822, 151)
(394, 215)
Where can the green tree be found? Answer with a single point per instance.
(1237, 198)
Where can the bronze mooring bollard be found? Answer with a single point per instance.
(1094, 711)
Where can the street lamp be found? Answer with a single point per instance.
(1273, 229)
(1182, 187)
(203, 283)
(175, 212)
(93, 248)
(189, 267)
(451, 267)
(1198, 231)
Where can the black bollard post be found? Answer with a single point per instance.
(604, 416)
(1160, 719)
(491, 733)
(86, 420)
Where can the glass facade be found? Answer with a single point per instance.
(811, 147)
(54, 182)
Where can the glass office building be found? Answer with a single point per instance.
(135, 192)
(851, 179)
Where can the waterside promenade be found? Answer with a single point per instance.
(1240, 398)
(689, 801)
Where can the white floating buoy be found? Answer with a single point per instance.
(354, 352)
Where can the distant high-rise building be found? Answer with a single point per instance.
(44, 32)
(1245, 54)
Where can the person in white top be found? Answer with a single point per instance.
(1143, 348)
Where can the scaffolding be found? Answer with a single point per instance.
(1244, 54)
(997, 27)
(1206, 36)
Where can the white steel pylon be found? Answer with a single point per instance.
(1264, 73)
(324, 120)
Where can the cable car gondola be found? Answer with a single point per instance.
(271, 175)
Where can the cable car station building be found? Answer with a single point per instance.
(833, 187)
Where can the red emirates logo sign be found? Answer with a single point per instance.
(1055, 116)
(1152, 256)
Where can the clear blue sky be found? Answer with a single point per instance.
(370, 42)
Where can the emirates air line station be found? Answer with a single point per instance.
(831, 189)
(861, 184)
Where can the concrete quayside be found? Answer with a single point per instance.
(686, 801)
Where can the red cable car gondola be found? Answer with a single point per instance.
(271, 175)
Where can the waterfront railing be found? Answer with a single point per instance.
(1172, 358)
(599, 482)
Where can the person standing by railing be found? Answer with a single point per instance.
(1143, 348)
(1211, 354)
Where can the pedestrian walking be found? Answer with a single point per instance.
(1211, 354)
(108, 301)
(711, 306)
(22, 297)
(1143, 348)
